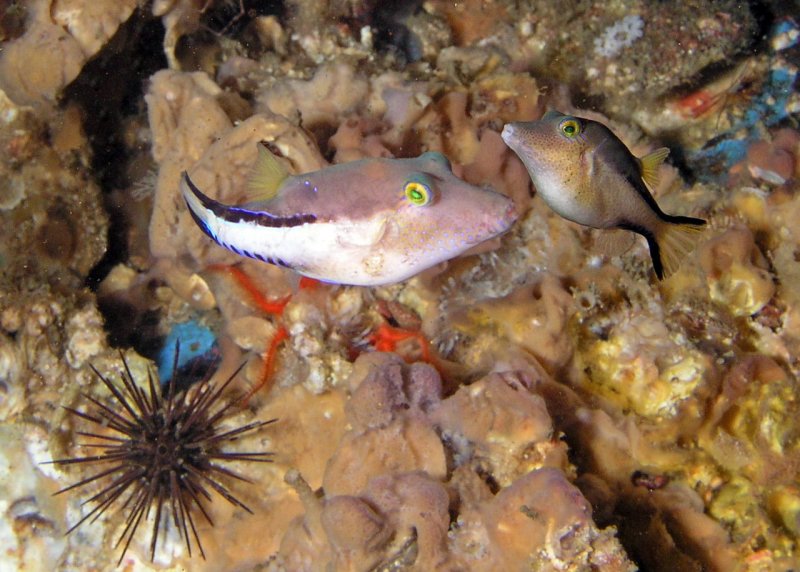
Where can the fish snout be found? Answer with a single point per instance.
(510, 215)
(509, 134)
(498, 221)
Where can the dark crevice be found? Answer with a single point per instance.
(391, 31)
(109, 89)
(232, 17)
(128, 326)
(13, 19)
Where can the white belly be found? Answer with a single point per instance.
(332, 252)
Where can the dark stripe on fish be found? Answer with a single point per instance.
(236, 215)
(248, 254)
(636, 181)
(677, 219)
(652, 243)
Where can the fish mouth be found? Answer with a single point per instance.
(510, 216)
(495, 225)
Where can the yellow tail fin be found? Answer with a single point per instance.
(675, 242)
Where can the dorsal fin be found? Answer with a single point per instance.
(650, 164)
(267, 175)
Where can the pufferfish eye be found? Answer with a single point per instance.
(571, 128)
(418, 191)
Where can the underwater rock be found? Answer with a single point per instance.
(669, 45)
(388, 492)
(497, 426)
(626, 53)
(416, 506)
(31, 531)
(493, 164)
(250, 332)
(320, 100)
(406, 444)
(91, 24)
(307, 16)
(774, 162)
(190, 287)
(385, 388)
(53, 222)
(542, 328)
(543, 522)
(638, 365)
(60, 37)
(419, 34)
(319, 358)
(736, 272)
(724, 121)
(85, 336)
(474, 21)
(355, 139)
(784, 503)
(184, 119)
(179, 17)
(748, 429)
(355, 530)
(666, 529)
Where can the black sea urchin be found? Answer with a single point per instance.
(163, 453)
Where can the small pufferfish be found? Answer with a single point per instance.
(367, 223)
(587, 175)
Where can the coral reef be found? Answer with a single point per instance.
(412, 457)
(53, 221)
(619, 36)
(541, 402)
(58, 39)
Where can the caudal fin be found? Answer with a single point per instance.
(199, 205)
(675, 239)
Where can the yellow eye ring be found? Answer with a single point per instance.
(570, 128)
(417, 193)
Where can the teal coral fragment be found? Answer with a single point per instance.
(195, 340)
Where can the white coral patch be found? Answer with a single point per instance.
(621, 35)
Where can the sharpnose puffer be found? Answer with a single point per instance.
(369, 222)
(587, 175)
